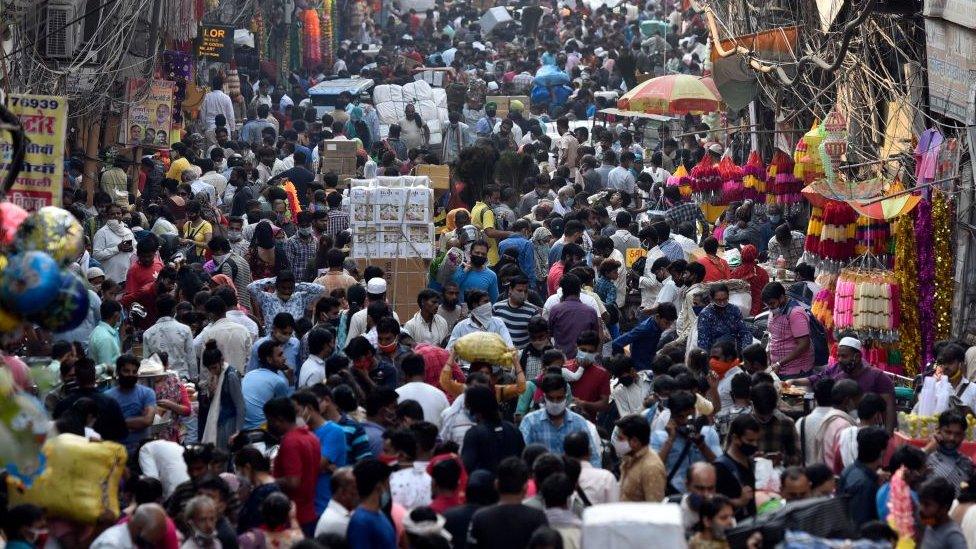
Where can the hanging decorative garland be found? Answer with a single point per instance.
(926, 277)
(782, 185)
(730, 174)
(906, 275)
(705, 181)
(942, 215)
(681, 180)
(754, 178)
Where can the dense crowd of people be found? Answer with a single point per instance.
(269, 395)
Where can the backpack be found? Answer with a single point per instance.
(818, 337)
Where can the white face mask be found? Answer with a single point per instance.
(114, 224)
(621, 446)
(235, 236)
(555, 409)
(482, 313)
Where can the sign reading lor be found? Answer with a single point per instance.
(216, 42)
(44, 118)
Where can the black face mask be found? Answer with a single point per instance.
(128, 382)
(478, 260)
(748, 450)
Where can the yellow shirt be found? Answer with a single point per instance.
(642, 476)
(200, 234)
(483, 218)
(176, 168)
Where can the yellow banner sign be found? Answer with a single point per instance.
(44, 118)
(633, 254)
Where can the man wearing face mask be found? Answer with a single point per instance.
(228, 262)
(475, 275)
(369, 525)
(299, 459)
(719, 320)
(550, 424)
(138, 402)
(540, 191)
(644, 338)
(642, 475)
(851, 365)
(591, 392)
(483, 217)
(790, 348)
(235, 235)
(104, 345)
(683, 441)
(700, 483)
(114, 245)
(788, 244)
(481, 320)
(944, 458)
(516, 312)
(288, 296)
(734, 470)
(301, 247)
(321, 345)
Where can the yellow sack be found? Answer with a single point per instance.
(80, 481)
(485, 347)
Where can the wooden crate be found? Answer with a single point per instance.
(440, 175)
(405, 278)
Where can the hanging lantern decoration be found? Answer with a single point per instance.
(754, 178)
(782, 184)
(730, 174)
(834, 145)
(681, 180)
(705, 181)
(808, 167)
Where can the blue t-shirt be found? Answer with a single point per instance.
(290, 350)
(332, 438)
(370, 530)
(133, 403)
(260, 386)
(484, 279)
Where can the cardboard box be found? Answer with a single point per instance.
(338, 148)
(405, 278)
(503, 102)
(440, 175)
(339, 156)
(494, 17)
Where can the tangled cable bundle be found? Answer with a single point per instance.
(838, 232)
(733, 189)
(873, 236)
(808, 167)
(681, 179)
(706, 184)
(867, 302)
(781, 182)
(754, 178)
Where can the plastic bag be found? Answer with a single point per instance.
(767, 477)
(80, 482)
(485, 347)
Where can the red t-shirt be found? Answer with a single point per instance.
(593, 385)
(300, 455)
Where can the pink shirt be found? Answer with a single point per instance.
(784, 329)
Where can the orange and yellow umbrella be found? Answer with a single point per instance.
(671, 94)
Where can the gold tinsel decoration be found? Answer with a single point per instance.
(906, 273)
(942, 212)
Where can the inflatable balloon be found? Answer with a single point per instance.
(30, 282)
(69, 308)
(11, 216)
(52, 230)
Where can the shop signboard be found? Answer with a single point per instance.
(44, 119)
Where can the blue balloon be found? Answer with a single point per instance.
(69, 308)
(30, 282)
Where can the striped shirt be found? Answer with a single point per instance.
(357, 442)
(516, 319)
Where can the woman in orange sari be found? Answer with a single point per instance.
(756, 276)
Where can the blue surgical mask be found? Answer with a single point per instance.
(385, 499)
(583, 356)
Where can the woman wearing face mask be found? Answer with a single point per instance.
(277, 528)
(266, 256)
(196, 230)
(221, 401)
(716, 515)
(541, 243)
(172, 401)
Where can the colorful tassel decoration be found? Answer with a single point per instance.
(754, 178)
(312, 50)
(733, 189)
(705, 181)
